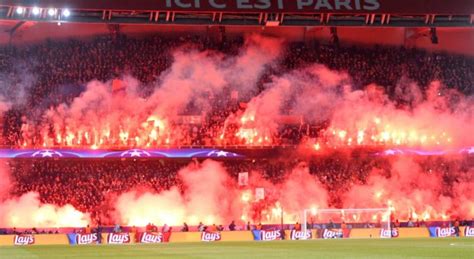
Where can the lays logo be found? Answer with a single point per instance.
(149, 238)
(297, 235)
(270, 235)
(329, 233)
(445, 232)
(84, 239)
(469, 232)
(118, 238)
(387, 233)
(22, 240)
(210, 236)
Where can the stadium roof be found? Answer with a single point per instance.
(401, 13)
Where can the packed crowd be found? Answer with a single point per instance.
(87, 185)
(55, 72)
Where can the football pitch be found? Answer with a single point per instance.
(361, 248)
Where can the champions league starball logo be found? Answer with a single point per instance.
(392, 152)
(45, 153)
(130, 153)
(220, 153)
(468, 151)
(135, 153)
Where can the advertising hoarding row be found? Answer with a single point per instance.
(118, 238)
(256, 235)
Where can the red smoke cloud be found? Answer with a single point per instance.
(435, 118)
(210, 196)
(27, 211)
(413, 193)
(99, 117)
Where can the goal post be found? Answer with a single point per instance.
(348, 218)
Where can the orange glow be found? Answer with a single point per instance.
(386, 135)
(426, 216)
(317, 146)
(245, 196)
(378, 194)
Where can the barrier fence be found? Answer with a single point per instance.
(254, 235)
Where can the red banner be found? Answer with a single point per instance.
(285, 6)
(188, 119)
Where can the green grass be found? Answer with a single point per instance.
(348, 248)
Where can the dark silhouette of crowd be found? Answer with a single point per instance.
(42, 75)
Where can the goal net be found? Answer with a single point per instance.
(335, 223)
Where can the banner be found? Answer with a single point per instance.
(259, 193)
(289, 119)
(389, 233)
(469, 232)
(266, 235)
(443, 231)
(22, 240)
(82, 239)
(188, 119)
(333, 233)
(117, 85)
(243, 179)
(130, 153)
(211, 236)
(299, 234)
(234, 95)
(118, 238)
(288, 6)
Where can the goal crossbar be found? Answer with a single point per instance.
(347, 210)
(344, 211)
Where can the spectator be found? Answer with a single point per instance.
(213, 228)
(456, 228)
(117, 228)
(232, 226)
(396, 224)
(248, 226)
(297, 226)
(185, 227)
(87, 229)
(165, 228)
(201, 227)
(343, 225)
(331, 224)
